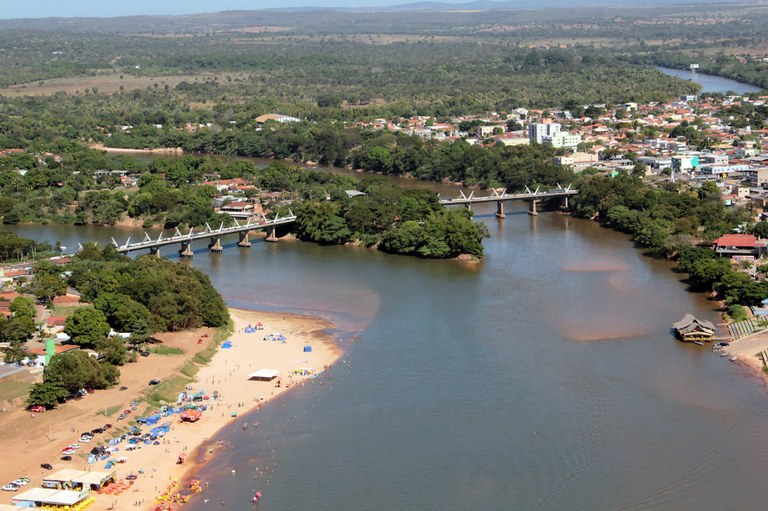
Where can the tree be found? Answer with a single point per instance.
(113, 350)
(47, 286)
(761, 229)
(47, 394)
(87, 326)
(76, 370)
(23, 306)
(124, 314)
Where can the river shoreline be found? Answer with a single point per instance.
(227, 373)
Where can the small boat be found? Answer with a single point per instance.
(700, 343)
(256, 497)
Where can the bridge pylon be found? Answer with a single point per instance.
(532, 207)
(215, 244)
(271, 235)
(500, 210)
(244, 241)
(186, 249)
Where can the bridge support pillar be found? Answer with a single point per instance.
(500, 210)
(186, 250)
(468, 206)
(532, 208)
(565, 202)
(215, 245)
(271, 235)
(154, 251)
(244, 241)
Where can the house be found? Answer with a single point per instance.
(736, 244)
(690, 329)
(57, 321)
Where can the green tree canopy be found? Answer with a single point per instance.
(86, 326)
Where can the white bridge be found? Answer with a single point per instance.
(185, 240)
(532, 197)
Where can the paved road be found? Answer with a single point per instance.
(9, 370)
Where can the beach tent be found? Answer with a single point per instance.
(307, 349)
(264, 375)
(227, 344)
(259, 326)
(191, 415)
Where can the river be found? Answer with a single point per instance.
(544, 378)
(711, 83)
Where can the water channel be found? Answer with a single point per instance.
(711, 83)
(544, 378)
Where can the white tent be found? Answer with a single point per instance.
(51, 497)
(264, 375)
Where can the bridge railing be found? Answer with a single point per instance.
(208, 232)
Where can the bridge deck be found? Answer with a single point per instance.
(508, 196)
(206, 234)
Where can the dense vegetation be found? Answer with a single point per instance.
(139, 296)
(677, 223)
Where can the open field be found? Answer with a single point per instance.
(111, 83)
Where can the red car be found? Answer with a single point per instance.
(127, 412)
(37, 409)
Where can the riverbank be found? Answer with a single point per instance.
(176, 151)
(36, 439)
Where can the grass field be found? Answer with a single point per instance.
(110, 83)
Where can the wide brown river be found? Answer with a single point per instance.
(545, 378)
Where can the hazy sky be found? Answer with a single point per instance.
(106, 8)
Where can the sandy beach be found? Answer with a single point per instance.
(33, 440)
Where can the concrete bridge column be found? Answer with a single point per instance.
(154, 251)
(271, 235)
(244, 241)
(532, 208)
(215, 245)
(500, 210)
(468, 205)
(186, 250)
(565, 202)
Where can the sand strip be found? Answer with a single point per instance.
(227, 373)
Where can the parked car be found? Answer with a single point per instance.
(154, 381)
(127, 412)
(123, 388)
(46, 466)
(68, 452)
(74, 446)
(66, 457)
(11, 487)
(20, 482)
(144, 353)
(37, 409)
(120, 417)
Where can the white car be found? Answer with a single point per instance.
(20, 482)
(74, 446)
(11, 487)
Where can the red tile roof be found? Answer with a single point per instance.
(736, 240)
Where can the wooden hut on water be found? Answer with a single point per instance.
(691, 329)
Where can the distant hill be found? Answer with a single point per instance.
(422, 15)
